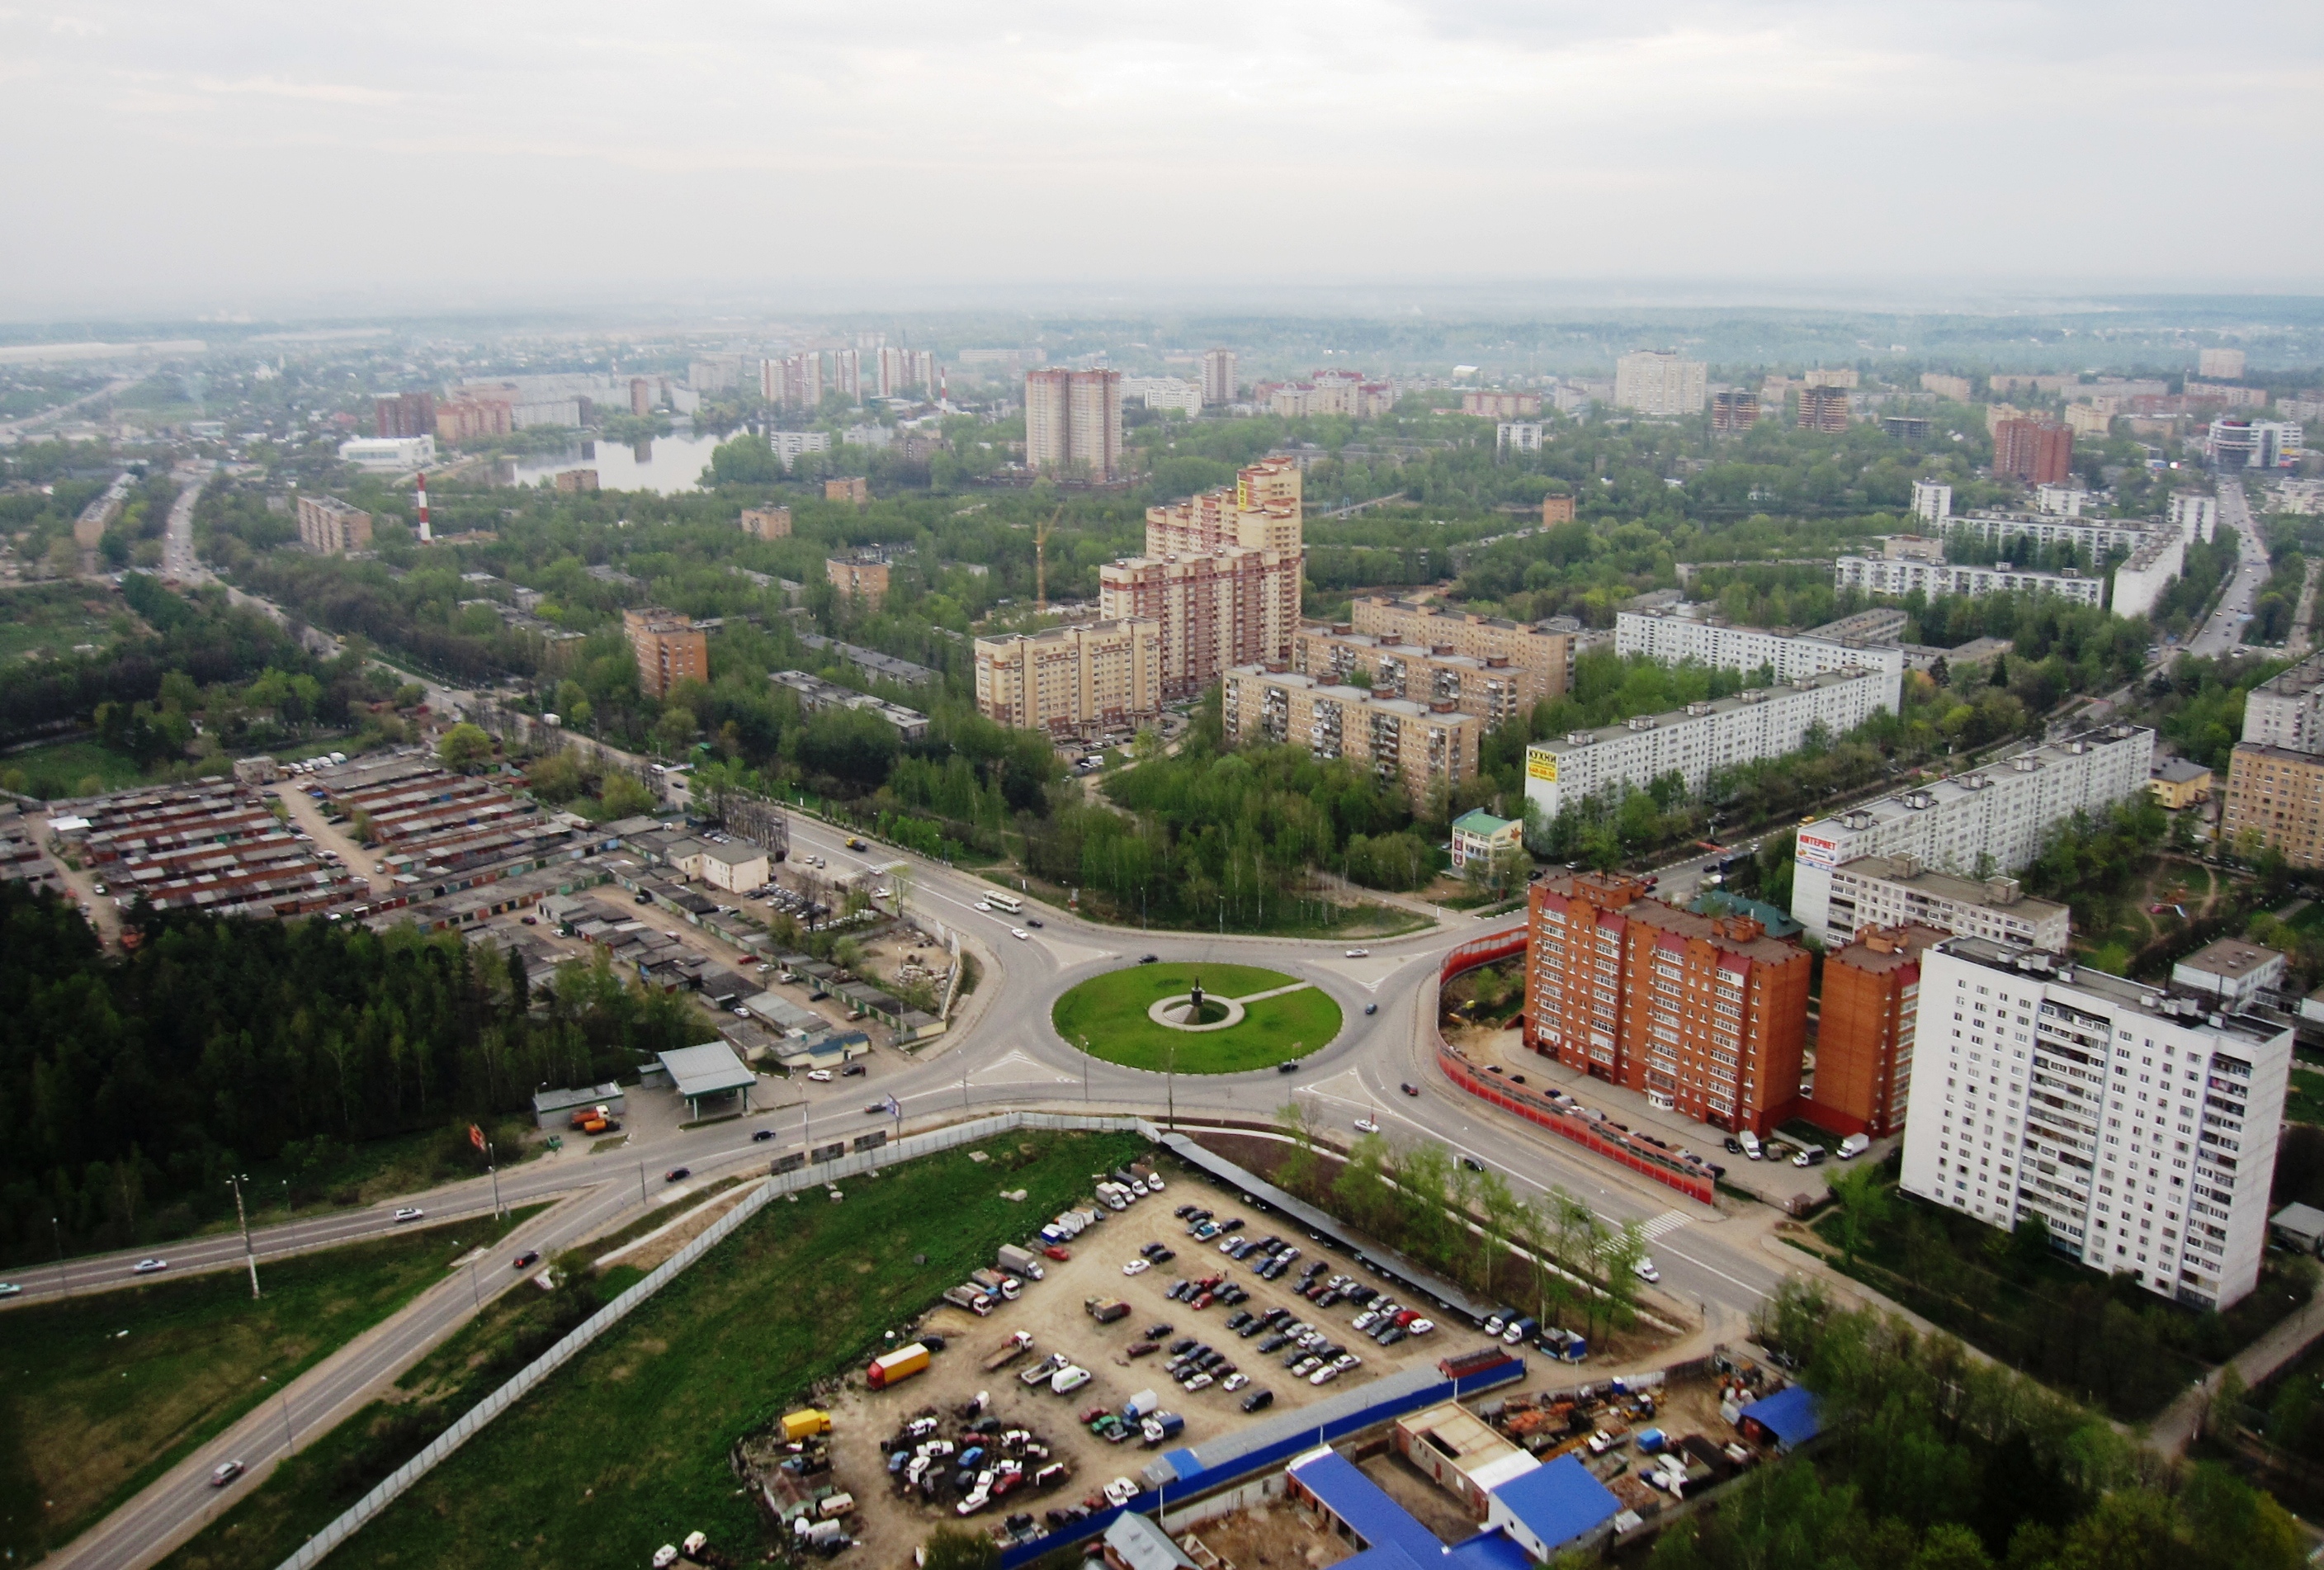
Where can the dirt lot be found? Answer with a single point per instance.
(1051, 1311)
(1274, 1536)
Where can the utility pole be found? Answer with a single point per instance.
(492, 1161)
(289, 1440)
(1086, 1057)
(1171, 1059)
(249, 1254)
(64, 1283)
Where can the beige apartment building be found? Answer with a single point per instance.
(863, 577)
(1659, 382)
(2279, 794)
(1072, 680)
(1494, 689)
(330, 527)
(1220, 576)
(1548, 656)
(1414, 745)
(767, 522)
(1073, 423)
(669, 647)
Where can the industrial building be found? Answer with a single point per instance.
(1705, 1015)
(1992, 818)
(2140, 1123)
(1756, 723)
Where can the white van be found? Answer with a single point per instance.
(1853, 1146)
(1750, 1143)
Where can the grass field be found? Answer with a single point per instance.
(53, 618)
(1109, 1012)
(2303, 1101)
(106, 1393)
(626, 1447)
(60, 768)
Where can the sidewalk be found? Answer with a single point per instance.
(2176, 1426)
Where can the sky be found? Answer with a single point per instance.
(235, 156)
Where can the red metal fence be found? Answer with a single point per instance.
(1518, 1099)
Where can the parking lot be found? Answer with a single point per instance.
(1124, 1359)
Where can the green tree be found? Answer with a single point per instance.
(1865, 1207)
(624, 796)
(675, 730)
(951, 1548)
(464, 748)
(556, 779)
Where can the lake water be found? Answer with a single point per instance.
(666, 465)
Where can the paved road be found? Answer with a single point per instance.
(1005, 1055)
(2224, 628)
(31, 422)
(178, 558)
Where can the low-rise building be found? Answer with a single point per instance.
(1756, 724)
(1072, 679)
(1414, 746)
(388, 455)
(734, 867)
(815, 693)
(1898, 891)
(1477, 837)
(669, 649)
(2139, 1123)
(1459, 1452)
(2177, 782)
(2232, 971)
(852, 489)
(863, 576)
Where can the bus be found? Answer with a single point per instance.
(1008, 902)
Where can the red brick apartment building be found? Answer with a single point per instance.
(1705, 1015)
(1864, 1046)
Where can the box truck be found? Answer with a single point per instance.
(900, 1364)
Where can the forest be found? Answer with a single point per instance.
(134, 1085)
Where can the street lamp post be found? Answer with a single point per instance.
(64, 1283)
(1086, 1057)
(289, 1440)
(249, 1254)
(492, 1160)
(1170, 1061)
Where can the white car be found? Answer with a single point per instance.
(1360, 953)
(9, 1289)
(1234, 1381)
(883, 894)
(1644, 1271)
(410, 1212)
(1136, 1267)
(820, 1075)
(224, 1473)
(1068, 1380)
(1420, 1327)
(1366, 1126)
(1121, 1492)
(984, 905)
(147, 1266)
(1019, 933)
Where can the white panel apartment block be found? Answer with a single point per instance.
(1880, 576)
(1693, 742)
(1996, 815)
(1898, 891)
(2095, 535)
(2287, 710)
(2139, 1128)
(1673, 640)
(2195, 517)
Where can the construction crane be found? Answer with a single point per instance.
(1041, 562)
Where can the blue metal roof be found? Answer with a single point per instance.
(1493, 1550)
(1790, 1415)
(1363, 1505)
(1558, 1502)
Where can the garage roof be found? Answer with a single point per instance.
(707, 1070)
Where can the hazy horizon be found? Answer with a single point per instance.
(282, 162)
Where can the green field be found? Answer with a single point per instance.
(626, 1447)
(51, 619)
(106, 1393)
(1109, 1013)
(61, 768)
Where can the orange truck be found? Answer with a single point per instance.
(897, 1366)
(596, 1119)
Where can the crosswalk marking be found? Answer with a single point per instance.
(1669, 1221)
(1020, 1069)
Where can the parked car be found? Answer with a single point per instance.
(1360, 953)
(1259, 1400)
(819, 1076)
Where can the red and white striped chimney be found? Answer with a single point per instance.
(425, 534)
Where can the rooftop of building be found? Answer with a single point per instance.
(1477, 820)
(1881, 624)
(1706, 613)
(1056, 635)
(1742, 936)
(1574, 741)
(1993, 893)
(2300, 680)
(1356, 696)
(1956, 788)
(2179, 771)
(2253, 1028)
(2230, 959)
(1878, 950)
(1421, 607)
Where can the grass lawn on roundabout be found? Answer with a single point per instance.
(1110, 1011)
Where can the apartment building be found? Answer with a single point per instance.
(2040, 452)
(1672, 638)
(404, 414)
(1878, 576)
(1898, 891)
(2277, 794)
(1518, 435)
(1347, 393)
(790, 445)
(767, 522)
(2098, 536)
(1491, 406)
(1073, 423)
(1867, 1029)
(1734, 412)
(1556, 509)
(1495, 690)
(2227, 365)
(792, 382)
(329, 527)
(1164, 393)
(1987, 820)
(1706, 1016)
(2140, 583)
(1659, 382)
(2287, 710)
(1415, 745)
(1220, 384)
(1955, 388)
(1073, 679)
(1823, 409)
(1262, 511)
(1528, 646)
(816, 694)
(861, 575)
(1702, 738)
(669, 647)
(901, 371)
(1931, 502)
(852, 489)
(2195, 517)
(2137, 1122)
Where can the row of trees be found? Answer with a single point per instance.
(137, 1083)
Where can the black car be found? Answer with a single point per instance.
(1734, 1146)
(1259, 1400)
(1032, 920)
(1237, 1321)
(1255, 1327)
(763, 1136)
(527, 1260)
(1147, 959)
(1181, 1348)
(1156, 1332)
(1291, 1067)
(1472, 1163)
(1177, 1292)
(1166, 1256)
(675, 1173)
(1151, 1250)
(1275, 1342)
(1234, 1226)
(1372, 1008)
(852, 1070)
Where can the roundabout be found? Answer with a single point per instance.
(1191, 1018)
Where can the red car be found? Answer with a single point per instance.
(1059, 1254)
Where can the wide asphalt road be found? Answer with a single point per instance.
(1005, 1055)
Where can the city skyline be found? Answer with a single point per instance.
(508, 134)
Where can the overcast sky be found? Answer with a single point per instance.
(201, 156)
